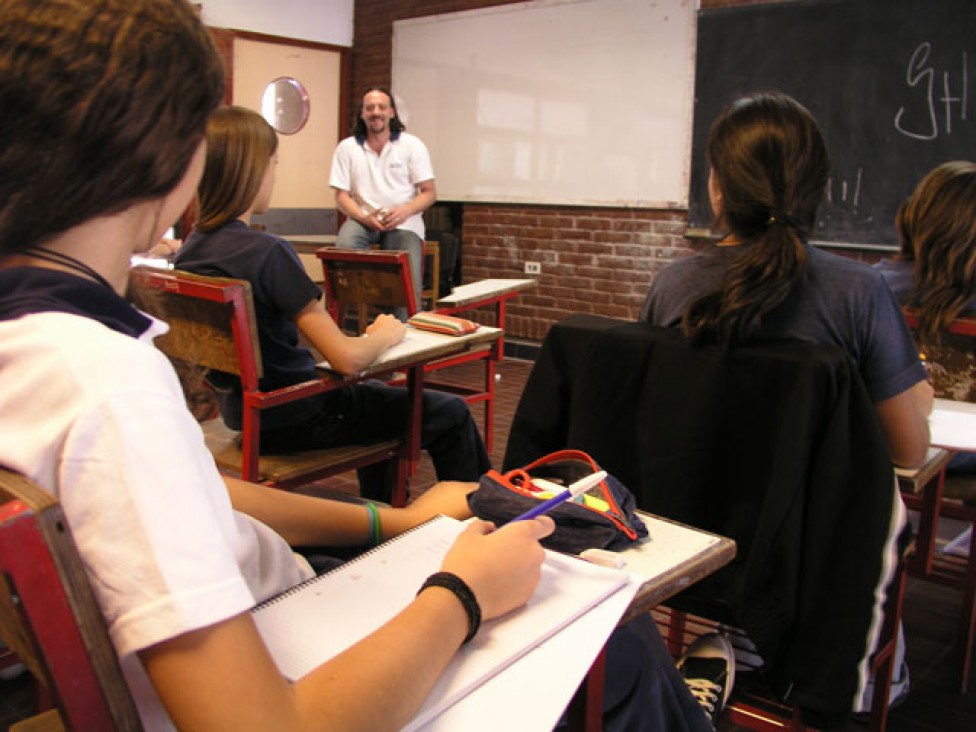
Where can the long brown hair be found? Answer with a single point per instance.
(770, 165)
(937, 226)
(240, 144)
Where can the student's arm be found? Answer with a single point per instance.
(351, 209)
(223, 677)
(347, 355)
(425, 198)
(905, 421)
(309, 521)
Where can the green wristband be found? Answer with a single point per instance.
(375, 530)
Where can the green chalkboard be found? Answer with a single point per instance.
(892, 83)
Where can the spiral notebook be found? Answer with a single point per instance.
(320, 618)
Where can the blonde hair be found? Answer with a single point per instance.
(240, 144)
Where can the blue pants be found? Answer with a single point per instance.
(353, 235)
(372, 411)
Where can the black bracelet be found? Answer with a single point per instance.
(463, 593)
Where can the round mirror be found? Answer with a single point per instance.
(285, 105)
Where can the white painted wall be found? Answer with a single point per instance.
(322, 21)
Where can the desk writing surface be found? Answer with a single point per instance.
(482, 289)
(673, 556)
(319, 239)
(915, 479)
(420, 346)
(953, 425)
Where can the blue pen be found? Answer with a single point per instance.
(576, 489)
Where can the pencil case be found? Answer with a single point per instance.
(602, 518)
(446, 324)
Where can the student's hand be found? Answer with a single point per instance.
(502, 567)
(449, 497)
(387, 328)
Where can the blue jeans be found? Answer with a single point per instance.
(353, 235)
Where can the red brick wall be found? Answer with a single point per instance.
(594, 260)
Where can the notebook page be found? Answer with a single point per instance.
(324, 616)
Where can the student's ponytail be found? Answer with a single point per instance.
(770, 166)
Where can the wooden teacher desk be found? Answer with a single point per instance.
(532, 693)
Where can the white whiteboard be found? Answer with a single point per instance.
(585, 102)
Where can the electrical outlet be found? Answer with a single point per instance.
(533, 268)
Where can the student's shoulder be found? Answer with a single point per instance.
(711, 259)
(233, 240)
(88, 354)
(836, 265)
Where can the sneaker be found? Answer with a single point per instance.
(708, 667)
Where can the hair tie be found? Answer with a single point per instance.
(777, 219)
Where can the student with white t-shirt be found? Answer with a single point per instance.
(383, 182)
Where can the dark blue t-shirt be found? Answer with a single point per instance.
(838, 302)
(281, 289)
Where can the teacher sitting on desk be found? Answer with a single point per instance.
(383, 181)
(237, 182)
(769, 169)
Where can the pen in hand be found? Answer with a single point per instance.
(576, 489)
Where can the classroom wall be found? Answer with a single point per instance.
(322, 21)
(594, 260)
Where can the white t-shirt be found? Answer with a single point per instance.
(98, 418)
(386, 179)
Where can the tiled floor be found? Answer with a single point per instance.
(931, 612)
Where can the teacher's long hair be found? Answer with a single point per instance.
(770, 168)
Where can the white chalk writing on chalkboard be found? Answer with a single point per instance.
(952, 96)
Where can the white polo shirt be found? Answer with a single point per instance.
(98, 419)
(387, 179)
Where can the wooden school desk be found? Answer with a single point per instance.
(491, 293)
(953, 425)
(411, 355)
(531, 694)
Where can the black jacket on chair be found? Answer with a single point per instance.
(775, 445)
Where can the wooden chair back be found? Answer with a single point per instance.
(213, 325)
(367, 278)
(211, 319)
(49, 616)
